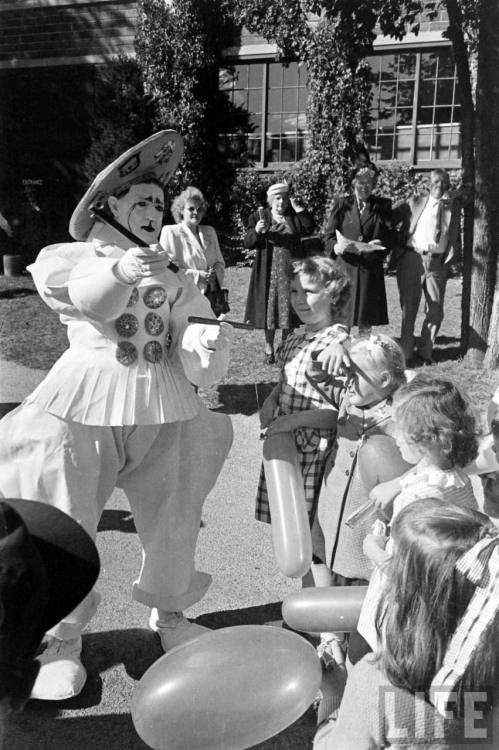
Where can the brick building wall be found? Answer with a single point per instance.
(41, 32)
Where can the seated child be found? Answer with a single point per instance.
(422, 688)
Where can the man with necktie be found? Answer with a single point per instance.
(428, 231)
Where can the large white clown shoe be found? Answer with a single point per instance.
(61, 675)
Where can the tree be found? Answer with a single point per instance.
(179, 47)
(485, 321)
(123, 115)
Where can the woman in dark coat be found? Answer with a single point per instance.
(275, 232)
(363, 217)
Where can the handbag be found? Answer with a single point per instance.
(218, 298)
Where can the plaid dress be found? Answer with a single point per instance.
(296, 394)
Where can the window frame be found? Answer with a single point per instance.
(421, 164)
(263, 165)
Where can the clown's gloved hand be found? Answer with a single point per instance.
(205, 352)
(141, 262)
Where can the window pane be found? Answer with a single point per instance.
(254, 148)
(273, 152)
(386, 119)
(255, 123)
(388, 67)
(275, 75)
(289, 100)
(428, 65)
(274, 100)
(301, 121)
(241, 76)
(405, 94)
(387, 94)
(274, 123)
(385, 145)
(254, 101)
(427, 93)
(444, 91)
(407, 65)
(255, 75)
(425, 115)
(423, 144)
(445, 63)
(289, 123)
(302, 74)
(402, 142)
(443, 114)
(302, 99)
(290, 74)
(240, 98)
(404, 116)
(288, 149)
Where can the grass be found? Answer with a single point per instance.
(32, 335)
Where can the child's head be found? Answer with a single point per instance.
(319, 291)
(432, 415)
(426, 597)
(376, 370)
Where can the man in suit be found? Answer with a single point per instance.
(367, 218)
(429, 227)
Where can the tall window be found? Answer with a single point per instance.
(267, 105)
(415, 107)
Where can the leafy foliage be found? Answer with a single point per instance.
(123, 115)
(178, 47)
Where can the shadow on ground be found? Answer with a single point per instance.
(77, 725)
(117, 520)
(245, 398)
(14, 293)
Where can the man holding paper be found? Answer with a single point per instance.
(359, 234)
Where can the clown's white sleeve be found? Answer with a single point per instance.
(95, 290)
(72, 280)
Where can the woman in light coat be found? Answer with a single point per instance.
(193, 246)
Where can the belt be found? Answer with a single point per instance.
(426, 253)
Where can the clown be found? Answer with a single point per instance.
(120, 407)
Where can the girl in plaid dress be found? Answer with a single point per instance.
(318, 292)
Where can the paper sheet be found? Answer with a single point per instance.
(361, 247)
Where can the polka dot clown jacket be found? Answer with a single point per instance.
(133, 358)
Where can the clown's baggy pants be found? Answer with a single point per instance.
(166, 472)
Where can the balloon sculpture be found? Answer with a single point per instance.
(227, 690)
(324, 609)
(290, 524)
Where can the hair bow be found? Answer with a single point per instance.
(480, 565)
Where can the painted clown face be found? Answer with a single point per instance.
(140, 211)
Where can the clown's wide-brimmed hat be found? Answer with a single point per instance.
(45, 556)
(157, 156)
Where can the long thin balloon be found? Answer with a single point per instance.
(324, 609)
(290, 523)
